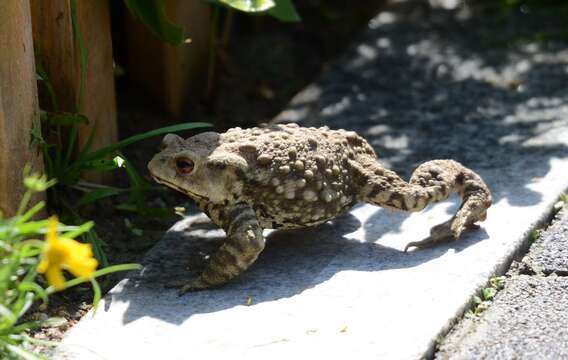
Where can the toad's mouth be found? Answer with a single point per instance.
(178, 188)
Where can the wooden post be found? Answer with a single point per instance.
(59, 52)
(18, 102)
(170, 74)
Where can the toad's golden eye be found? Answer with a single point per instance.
(184, 165)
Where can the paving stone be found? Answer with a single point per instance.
(420, 84)
(528, 320)
(549, 254)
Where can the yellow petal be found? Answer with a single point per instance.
(55, 277)
(51, 235)
(82, 268)
(42, 266)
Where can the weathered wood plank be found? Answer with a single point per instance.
(99, 101)
(60, 54)
(170, 74)
(18, 101)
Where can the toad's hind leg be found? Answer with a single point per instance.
(241, 248)
(431, 182)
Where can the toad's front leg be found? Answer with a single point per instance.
(241, 248)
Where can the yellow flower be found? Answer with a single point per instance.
(61, 254)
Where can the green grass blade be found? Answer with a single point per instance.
(101, 153)
(102, 272)
(31, 212)
(79, 230)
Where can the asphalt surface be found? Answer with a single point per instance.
(528, 319)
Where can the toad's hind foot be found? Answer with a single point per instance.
(439, 234)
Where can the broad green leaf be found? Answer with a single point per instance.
(284, 11)
(251, 6)
(153, 14)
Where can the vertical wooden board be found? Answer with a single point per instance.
(99, 100)
(18, 101)
(171, 74)
(55, 47)
(61, 57)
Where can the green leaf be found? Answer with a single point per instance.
(86, 227)
(101, 153)
(66, 119)
(489, 293)
(98, 194)
(99, 165)
(153, 14)
(249, 6)
(119, 161)
(284, 11)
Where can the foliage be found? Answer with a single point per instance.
(282, 10)
(23, 255)
(487, 294)
(153, 14)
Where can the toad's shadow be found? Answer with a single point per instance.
(292, 262)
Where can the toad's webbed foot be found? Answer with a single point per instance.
(440, 233)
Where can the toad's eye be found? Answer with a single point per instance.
(184, 165)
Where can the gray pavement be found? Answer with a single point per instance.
(420, 83)
(528, 318)
(549, 254)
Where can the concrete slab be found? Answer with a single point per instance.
(418, 86)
